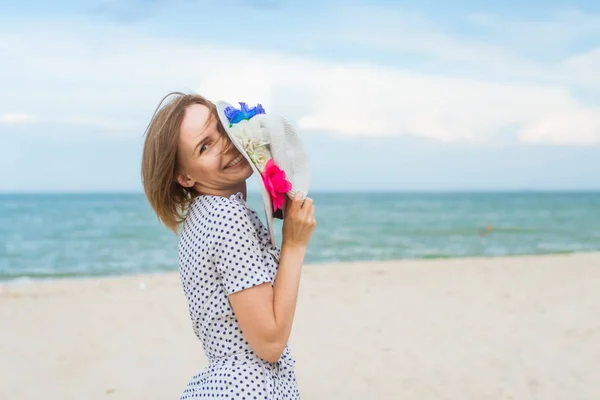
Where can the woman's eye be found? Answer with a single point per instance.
(203, 148)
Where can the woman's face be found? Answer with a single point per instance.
(204, 165)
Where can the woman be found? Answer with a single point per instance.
(241, 289)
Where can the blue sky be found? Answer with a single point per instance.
(387, 95)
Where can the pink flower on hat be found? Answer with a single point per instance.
(276, 184)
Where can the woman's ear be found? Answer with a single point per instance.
(184, 180)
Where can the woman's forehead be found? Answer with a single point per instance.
(197, 121)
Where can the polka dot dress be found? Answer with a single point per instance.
(224, 248)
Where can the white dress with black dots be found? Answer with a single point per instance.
(224, 248)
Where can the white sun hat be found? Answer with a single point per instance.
(274, 151)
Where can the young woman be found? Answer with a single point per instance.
(241, 289)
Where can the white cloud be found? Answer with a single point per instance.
(116, 84)
(363, 101)
(16, 118)
(571, 127)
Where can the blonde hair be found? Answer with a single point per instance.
(160, 166)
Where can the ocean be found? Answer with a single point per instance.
(78, 235)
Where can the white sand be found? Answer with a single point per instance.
(505, 328)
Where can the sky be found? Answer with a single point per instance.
(386, 95)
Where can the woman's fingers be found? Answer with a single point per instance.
(294, 205)
(307, 206)
(298, 208)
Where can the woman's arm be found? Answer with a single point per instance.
(266, 313)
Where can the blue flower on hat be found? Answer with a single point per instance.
(234, 115)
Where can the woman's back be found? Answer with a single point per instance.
(224, 248)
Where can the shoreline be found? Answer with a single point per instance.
(24, 280)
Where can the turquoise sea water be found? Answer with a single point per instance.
(64, 235)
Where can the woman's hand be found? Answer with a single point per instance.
(298, 222)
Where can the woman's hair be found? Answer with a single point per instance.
(160, 162)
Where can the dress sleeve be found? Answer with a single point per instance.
(237, 254)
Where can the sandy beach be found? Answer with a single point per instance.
(500, 328)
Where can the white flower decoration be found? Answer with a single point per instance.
(260, 156)
(252, 138)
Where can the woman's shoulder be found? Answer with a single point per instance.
(217, 206)
(207, 215)
(210, 210)
(215, 220)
